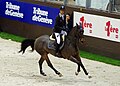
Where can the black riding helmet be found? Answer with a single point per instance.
(62, 7)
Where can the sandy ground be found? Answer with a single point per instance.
(23, 70)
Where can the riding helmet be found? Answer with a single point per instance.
(62, 7)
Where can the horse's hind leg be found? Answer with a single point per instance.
(51, 66)
(40, 65)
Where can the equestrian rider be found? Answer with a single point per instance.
(60, 27)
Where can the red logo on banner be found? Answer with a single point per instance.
(110, 29)
(86, 24)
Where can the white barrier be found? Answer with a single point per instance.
(99, 26)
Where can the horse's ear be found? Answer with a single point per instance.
(81, 28)
(76, 24)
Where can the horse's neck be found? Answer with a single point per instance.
(71, 35)
(72, 32)
(72, 39)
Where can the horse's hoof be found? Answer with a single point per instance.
(43, 74)
(89, 76)
(60, 75)
(76, 73)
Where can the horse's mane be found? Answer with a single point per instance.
(72, 31)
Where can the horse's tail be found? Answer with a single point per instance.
(26, 43)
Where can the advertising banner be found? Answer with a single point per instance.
(29, 13)
(99, 26)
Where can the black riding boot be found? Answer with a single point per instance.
(57, 49)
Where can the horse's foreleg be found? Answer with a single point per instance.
(85, 71)
(81, 64)
(40, 65)
(51, 66)
(77, 62)
(78, 70)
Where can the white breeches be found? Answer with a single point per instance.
(57, 35)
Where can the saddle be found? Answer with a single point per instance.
(52, 42)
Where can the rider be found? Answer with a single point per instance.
(60, 27)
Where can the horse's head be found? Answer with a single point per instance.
(79, 33)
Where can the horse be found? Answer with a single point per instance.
(70, 50)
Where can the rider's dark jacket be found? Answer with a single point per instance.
(59, 24)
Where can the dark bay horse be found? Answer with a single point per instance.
(70, 50)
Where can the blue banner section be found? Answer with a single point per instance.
(29, 13)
